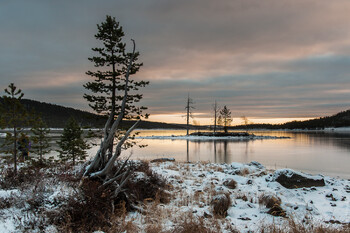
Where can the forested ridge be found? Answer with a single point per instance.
(56, 116)
(341, 119)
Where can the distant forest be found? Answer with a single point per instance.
(341, 119)
(56, 116)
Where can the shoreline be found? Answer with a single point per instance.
(193, 187)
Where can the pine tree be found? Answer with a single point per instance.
(40, 139)
(72, 144)
(15, 117)
(225, 118)
(109, 82)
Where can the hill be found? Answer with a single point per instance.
(56, 116)
(341, 119)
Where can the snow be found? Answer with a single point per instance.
(193, 187)
(339, 129)
(245, 214)
(289, 172)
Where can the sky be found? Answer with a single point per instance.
(271, 61)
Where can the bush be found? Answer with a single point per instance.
(25, 176)
(269, 200)
(220, 204)
(146, 184)
(230, 183)
(92, 207)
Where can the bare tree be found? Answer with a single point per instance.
(216, 113)
(246, 122)
(102, 165)
(189, 114)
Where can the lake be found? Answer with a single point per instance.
(317, 152)
(312, 152)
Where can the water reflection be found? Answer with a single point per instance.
(314, 152)
(326, 153)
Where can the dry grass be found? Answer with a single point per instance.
(220, 204)
(243, 172)
(294, 226)
(190, 224)
(230, 183)
(269, 200)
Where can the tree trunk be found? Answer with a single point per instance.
(188, 113)
(215, 115)
(15, 149)
(102, 164)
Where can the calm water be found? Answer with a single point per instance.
(312, 152)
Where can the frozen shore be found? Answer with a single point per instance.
(194, 186)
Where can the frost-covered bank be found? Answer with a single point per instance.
(195, 185)
(250, 199)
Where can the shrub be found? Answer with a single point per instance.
(146, 184)
(24, 176)
(220, 204)
(269, 200)
(90, 208)
(230, 183)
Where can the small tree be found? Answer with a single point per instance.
(40, 139)
(246, 122)
(225, 118)
(72, 144)
(13, 116)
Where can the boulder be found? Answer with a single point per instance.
(291, 179)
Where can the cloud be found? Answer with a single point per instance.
(262, 58)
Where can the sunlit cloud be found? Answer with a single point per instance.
(263, 59)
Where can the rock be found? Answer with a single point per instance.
(291, 179)
(206, 215)
(256, 164)
(244, 218)
(163, 160)
(331, 197)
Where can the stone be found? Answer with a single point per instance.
(291, 179)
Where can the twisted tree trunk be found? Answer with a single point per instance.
(102, 165)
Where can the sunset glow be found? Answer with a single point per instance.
(272, 61)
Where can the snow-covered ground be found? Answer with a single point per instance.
(198, 182)
(192, 187)
(340, 129)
